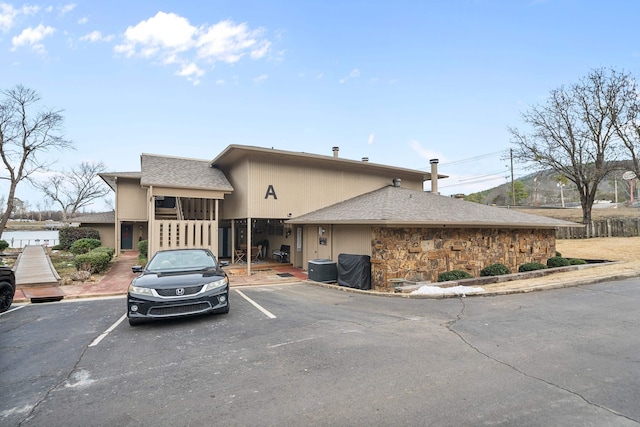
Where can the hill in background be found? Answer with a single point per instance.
(543, 190)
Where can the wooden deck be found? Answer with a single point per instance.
(241, 268)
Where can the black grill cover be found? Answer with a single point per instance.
(354, 271)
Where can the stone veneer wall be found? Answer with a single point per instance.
(420, 254)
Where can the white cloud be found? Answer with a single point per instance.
(96, 36)
(67, 8)
(7, 16)
(168, 38)
(261, 78)
(32, 37)
(416, 146)
(165, 33)
(29, 10)
(371, 138)
(83, 20)
(354, 74)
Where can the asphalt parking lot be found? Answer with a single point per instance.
(303, 355)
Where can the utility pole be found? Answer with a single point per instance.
(513, 184)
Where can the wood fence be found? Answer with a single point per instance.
(621, 227)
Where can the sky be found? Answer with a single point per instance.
(400, 82)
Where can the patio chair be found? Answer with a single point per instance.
(241, 255)
(256, 252)
(283, 254)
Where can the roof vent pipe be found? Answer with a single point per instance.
(365, 159)
(335, 151)
(396, 182)
(434, 175)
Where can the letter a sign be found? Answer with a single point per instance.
(271, 192)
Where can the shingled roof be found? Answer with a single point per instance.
(182, 172)
(96, 218)
(400, 206)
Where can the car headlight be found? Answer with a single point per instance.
(137, 290)
(217, 285)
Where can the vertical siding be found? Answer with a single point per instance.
(235, 205)
(351, 239)
(304, 187)
(132, 200)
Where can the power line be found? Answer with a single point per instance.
(473, 159)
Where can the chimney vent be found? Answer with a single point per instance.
(335, 151)
(365, 159)
(396, 182)
(434, 175)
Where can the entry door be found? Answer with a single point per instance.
(126, 236)
(319, 242)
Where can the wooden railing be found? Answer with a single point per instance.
(175, 234)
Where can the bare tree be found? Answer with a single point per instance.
(27, 132)
(628, 127)
(574, 133)
(75, 189)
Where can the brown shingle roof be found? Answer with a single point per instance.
(96, 218)
(400, 206)
(181, 172)
(234, 152)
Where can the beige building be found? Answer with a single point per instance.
(251, 201)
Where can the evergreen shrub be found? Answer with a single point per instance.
(531, 266)
(83, 246)
(495, 270)
(107, 250)
(557, 261)
(453, 275)
(143, 247)
(93, 262)
(68, 235)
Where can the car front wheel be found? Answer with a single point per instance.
(6, 296)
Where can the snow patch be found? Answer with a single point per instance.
(79, 379)
(16, 411)
(454, 290)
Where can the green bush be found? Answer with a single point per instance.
(143, 247)
(495, 270)
(531, 266)
(83, 246)
(3, 245)
(558, 253)
(68, 235)
(453, 275)
(577, 261)
(557, 261)
(107, 250)
(93, 262)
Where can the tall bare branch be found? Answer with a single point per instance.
(28, 132)
(75, 189)
(574, 133)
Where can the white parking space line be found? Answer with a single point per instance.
(256, 305)
(17, 307)
(105, 333)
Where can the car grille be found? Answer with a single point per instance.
(179, 309)
(171, 292)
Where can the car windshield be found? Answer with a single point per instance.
(181, 260)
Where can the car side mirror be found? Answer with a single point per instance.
(136, 269)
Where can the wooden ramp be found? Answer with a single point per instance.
(36, 276)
